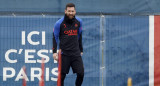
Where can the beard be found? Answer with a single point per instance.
(70, 16)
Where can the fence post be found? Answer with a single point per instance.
(102, 51)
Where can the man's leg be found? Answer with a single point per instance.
(65, 68)
(77, 67)
(79, 79)
(63, 75)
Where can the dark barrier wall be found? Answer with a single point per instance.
(105, 6)
(115, 48)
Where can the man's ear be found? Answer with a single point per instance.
(65, 11)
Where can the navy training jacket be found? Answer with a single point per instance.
(69, 32)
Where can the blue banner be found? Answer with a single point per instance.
(115, 48)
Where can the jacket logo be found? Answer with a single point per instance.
(64, 25)
(76, 25)
(70, 32)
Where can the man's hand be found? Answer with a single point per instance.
(81, 53)
(55, 56)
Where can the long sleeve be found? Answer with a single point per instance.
(80, 37)
(56, 31)
(80, 43)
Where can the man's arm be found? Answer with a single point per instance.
(80, 43)
(56, 31)
(80, 37)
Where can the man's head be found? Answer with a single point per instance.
(70, 10)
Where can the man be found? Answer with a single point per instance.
(69, 31)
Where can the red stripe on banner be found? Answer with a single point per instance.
(156, 50)
(59, 68)
(41, 82)
(24, 80)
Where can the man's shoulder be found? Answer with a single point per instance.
(79, 19)
(60, 21)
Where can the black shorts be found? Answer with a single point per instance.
(72, 61)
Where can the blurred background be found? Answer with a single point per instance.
(115, 40)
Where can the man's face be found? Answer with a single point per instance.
(70, 12)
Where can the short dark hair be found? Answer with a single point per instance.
(70, 5)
